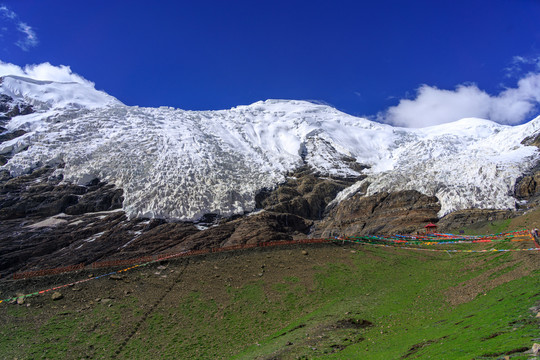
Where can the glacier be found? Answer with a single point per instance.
(180, 164)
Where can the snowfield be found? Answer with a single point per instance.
(178, 164)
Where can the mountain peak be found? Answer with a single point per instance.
(47, 95)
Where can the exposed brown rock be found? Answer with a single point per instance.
(533, 140)
(254, 229)
(528, 186)
(383, 213)
(41, 194)
(267, 226)
(470, 217)
(11, 135)
(19, 109)
(303, 194)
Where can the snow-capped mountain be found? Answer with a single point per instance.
(47, 95)
(178, 164)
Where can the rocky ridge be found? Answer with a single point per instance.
(47, 223)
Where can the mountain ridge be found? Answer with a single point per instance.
(217, 161)
(87, 179)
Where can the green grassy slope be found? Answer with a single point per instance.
(335, 302)
(404, 296)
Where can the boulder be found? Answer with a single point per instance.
(535, 349)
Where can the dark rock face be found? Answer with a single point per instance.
(254, 229)
(11, 135)
(26, 244)
(11, 109)
(383, 213)
(470, 217)
(145, 237)
(41, 194)
(43, 221)
(528, 187)
(533, 140)
(303, 194)
(19, 109)
(6, 136)
(5, 102)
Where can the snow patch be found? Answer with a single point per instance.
(94, 237)
(49, 222)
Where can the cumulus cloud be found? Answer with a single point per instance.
(44, 71)
(28, 38)
(433, 106)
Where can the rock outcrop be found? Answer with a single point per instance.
(383, 213)
(9, 108)
(254, 229)
(303, 194)
(11, 135)
(528, 186)
(42, 194)
(533, 140)
(471, 217)
(528, 189)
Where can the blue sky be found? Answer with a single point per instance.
(389, 60)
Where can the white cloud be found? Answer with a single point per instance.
(7, 13)
(44, 71)
(29, 38)
(521, 65)
(433, 106)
